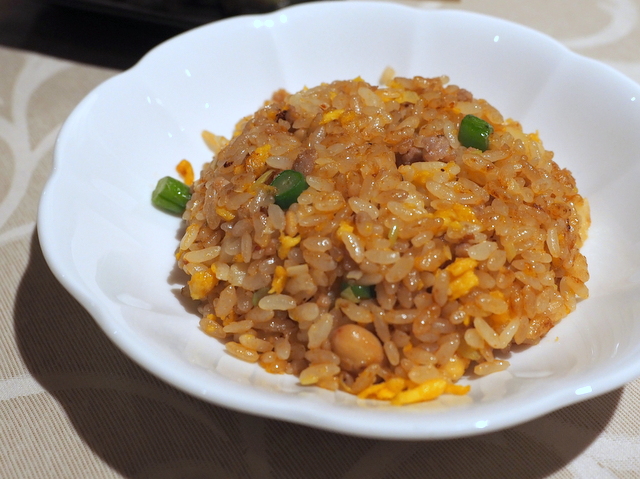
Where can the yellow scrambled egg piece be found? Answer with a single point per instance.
(384, 391)
(185, 170)
(456, 215)
(424, 392)
(224, 213)
(418, 174)
(287, 243)
(279, 280)
(257, 160)
(347, 117)
(344, 227)
(463, 277)
(462, 285)
(461, 266)
(201, 284)
(396, 391)
(331, 115)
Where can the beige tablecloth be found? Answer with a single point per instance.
(72, 405)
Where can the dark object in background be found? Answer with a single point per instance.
(111, 33)
(182, 14)
(178, 13)
(239, 7)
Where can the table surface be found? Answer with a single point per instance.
(72, 405)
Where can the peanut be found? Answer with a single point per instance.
(356, 347)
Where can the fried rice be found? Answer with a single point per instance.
(461, 253)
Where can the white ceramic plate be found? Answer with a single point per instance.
(114, 252)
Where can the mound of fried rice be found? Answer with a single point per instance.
(468, 252)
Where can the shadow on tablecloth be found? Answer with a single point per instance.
(141, 427)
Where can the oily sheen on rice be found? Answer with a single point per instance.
(466, 251)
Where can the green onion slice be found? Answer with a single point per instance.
(356, 292)
(171, 195)
(474, 133)
(288, 184)
(259, 294)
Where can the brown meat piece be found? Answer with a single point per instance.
(411, 156)
(464, 95)
(305, 161)
(434, 148)
(426, 148)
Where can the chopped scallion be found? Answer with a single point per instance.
(474, 133)
(258, 295)
(171, 195)
(288, 184)
(356, 292)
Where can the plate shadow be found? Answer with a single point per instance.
(142, 427)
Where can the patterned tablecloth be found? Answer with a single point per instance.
(72, 405)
